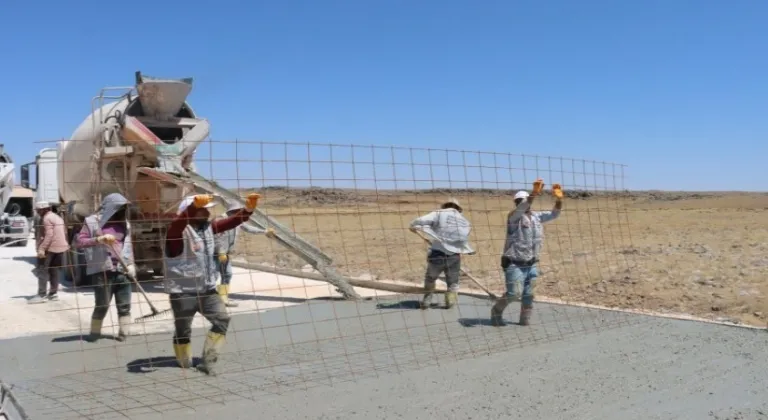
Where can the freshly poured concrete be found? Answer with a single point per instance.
(341, 360)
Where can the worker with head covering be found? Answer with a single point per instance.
(51, 248)
(448, 231)
(225, 244)
(525, 236)
(106, 240)
(191, 275)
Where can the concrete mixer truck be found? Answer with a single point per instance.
(140, 141)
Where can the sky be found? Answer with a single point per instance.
(675, 90)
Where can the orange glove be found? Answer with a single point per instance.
(557, 191)
(252, 201)
(538, 186)
(202, 200)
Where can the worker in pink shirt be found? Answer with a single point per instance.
(50, 252)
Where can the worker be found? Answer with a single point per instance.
(448, 231)
(51, 250)
(106, 240)
(225, 244)
(191, 275)
(525, 236)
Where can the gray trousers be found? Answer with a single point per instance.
(438, 263)
(186, 305)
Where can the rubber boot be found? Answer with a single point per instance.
(95, 333)
(183, 354)
(211, 349)
(426, 301)
(526, 309)
(497, 312)
(223, 290)
(124, 323)
(451, 298)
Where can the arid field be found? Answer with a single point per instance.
(704, 254)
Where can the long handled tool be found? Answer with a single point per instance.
(471, 277)
(155, 312)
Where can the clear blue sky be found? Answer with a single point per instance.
(675, 89)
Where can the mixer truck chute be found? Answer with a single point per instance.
(141, 143)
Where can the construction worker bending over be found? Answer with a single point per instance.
(448, 231)
(525, 235)
(225, 244)
(106, 240)
(50, 252)
(191, 275)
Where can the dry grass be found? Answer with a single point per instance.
(702, 254)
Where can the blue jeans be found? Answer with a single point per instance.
(517, 278)
(225, 269)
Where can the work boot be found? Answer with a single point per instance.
(211, 349)
(183, 354)
(223, 290)
(525, 314)
(52, 296)
(451, 298)
(95, 333)
(497, 312)
(124, 323)
(426, 301)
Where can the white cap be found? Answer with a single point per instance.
(42, 205)
(187, 201)
(453, 201)
(522, 194)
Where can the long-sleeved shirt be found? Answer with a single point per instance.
(449, 229)
(118, 230)
(525, 233)
(174, 237)
(54, 238)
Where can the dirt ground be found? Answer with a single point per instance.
(704, 254)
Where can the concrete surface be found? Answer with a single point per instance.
(291, 354)
(341, 360)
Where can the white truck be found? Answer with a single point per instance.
(16, 208)
(140, 141)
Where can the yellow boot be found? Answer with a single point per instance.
(223, 290)
(95, 332)
(451, 298)
(125, 327)
(211, 349)
(183, 355)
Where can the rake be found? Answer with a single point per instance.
(471, 277)
(155, 312)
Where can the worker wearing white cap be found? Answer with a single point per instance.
(525, 235)
(448, 231)
(225, 244)
(191, 275)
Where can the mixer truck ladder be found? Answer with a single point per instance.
(286, 237)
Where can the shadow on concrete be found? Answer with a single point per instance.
(81, 337)
(151, 364)
(480, 322)
(403, 304)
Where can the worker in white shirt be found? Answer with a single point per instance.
(448, 231)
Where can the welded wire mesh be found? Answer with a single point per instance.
(291, 329)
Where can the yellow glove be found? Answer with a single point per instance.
(252, 201)
(202, 200)
(538, 186)
(106, 239)
(223, 258)
(557, 191)
(270, 233)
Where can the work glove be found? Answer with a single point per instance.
(252, 201)
(106, 239)
(538, 186)
(132, 270)
(202, 200)
(223, 258)
(40, 254)
(270, 233)
(557, 191)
